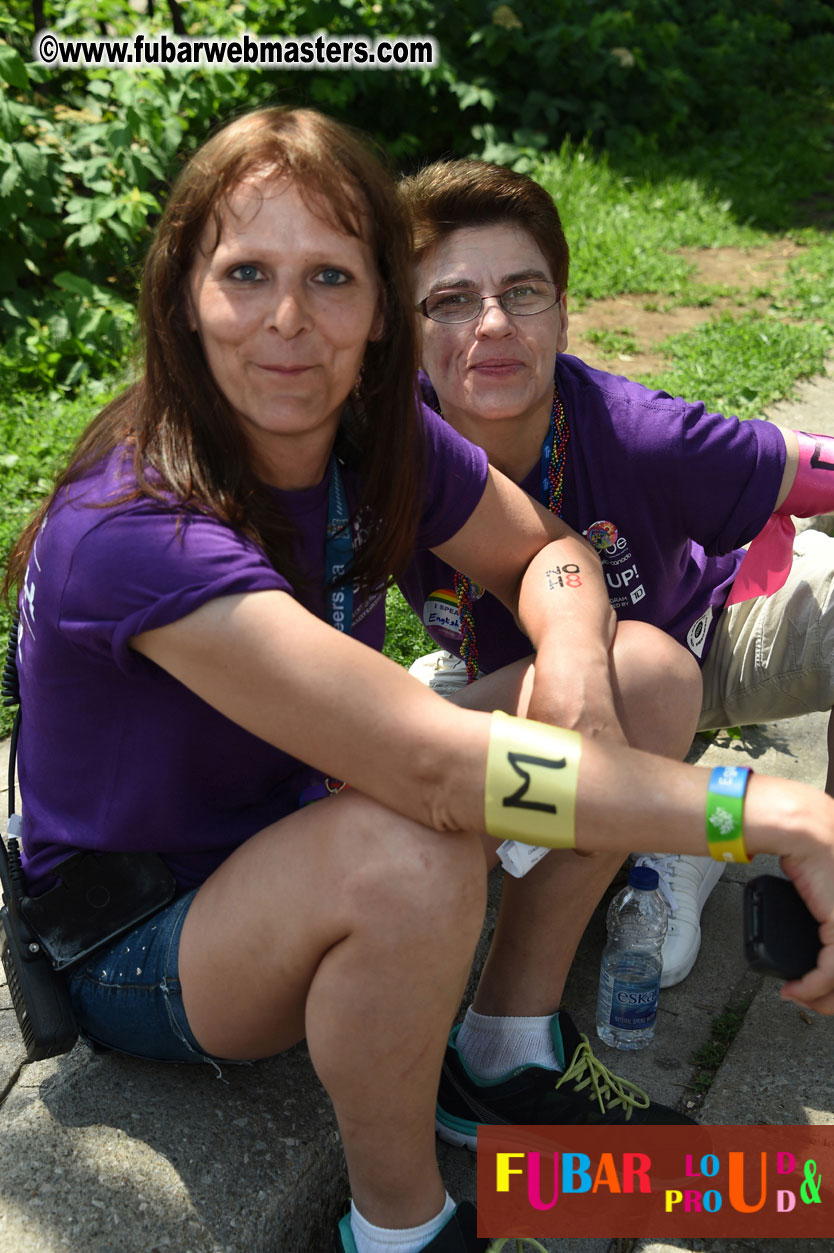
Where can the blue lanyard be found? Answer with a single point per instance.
(547, 453)
(338, 553)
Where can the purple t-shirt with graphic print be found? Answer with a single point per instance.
(114, 752)
(665, 491)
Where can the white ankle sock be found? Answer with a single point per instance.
(492, 1046)
(371, 1239)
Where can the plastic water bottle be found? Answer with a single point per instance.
(629, 980)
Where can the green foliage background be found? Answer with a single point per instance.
(85, 154)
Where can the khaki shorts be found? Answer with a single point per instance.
(770, 658)
(773, 657)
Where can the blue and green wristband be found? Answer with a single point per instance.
(724, 812)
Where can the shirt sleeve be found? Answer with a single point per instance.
(729, 474)
(456, 475)
(146, 567)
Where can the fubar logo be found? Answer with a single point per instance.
(661, 1181)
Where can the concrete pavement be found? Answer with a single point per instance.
(106, 1154)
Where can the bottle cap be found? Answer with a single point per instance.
(644, 878)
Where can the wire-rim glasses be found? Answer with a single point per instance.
(459, 304)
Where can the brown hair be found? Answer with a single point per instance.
(180, 425)
(449, 195)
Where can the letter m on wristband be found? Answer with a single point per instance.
(518, 761)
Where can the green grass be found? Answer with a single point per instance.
(809, 290)
(741, 365)
(623, 231)
(36, 434)
(405, 637)
(709, 1056)
(613, 343)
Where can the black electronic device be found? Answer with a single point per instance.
(781, 935)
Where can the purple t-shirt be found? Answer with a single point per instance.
(665, 491)
(114, 752)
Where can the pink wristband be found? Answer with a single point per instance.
(813, 488)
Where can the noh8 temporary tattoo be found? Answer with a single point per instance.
(563, 576)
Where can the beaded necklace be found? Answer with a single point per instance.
(552, 485)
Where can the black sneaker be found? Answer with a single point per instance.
(585, 1092)
(458, 1236)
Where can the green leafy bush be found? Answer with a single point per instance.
(86, 153)
(82, 328)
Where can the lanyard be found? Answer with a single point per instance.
(338, 558)
(547, 454)
(338, 553)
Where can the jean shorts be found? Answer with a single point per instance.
(127, 996)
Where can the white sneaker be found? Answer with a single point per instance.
(443, 672)
(685, 884)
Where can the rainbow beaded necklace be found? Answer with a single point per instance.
(552, 485)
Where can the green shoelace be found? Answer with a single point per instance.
(498, 1245)
(607, 1087)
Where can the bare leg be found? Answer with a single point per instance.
(829, 779)
(355, 927)
(543, 915)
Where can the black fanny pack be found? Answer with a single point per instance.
(98, 898)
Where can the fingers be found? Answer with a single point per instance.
(815, 990)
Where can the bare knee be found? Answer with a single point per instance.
(658, 689)
(409, 879)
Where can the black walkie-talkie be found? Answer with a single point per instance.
(39, 993)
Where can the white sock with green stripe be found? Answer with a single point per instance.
(492, 1046)
(371, 1239)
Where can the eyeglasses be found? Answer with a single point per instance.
(458, 304)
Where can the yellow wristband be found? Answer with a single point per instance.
(724, 810)
(531, 780)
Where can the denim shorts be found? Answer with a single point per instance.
(127, 996)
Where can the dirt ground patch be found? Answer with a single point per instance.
(739, 272)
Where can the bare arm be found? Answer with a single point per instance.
(284, 675)
(335, 703)
(275, 669)
(551, 579)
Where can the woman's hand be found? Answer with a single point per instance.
(813, 876)
(780, 814)
(551, 580)
(572, 688)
